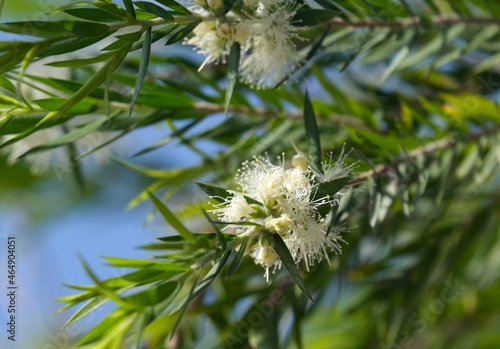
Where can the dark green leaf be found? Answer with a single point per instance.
(6, 84)
(146, 264)
(182, 32)
(175, 6)
(220, 236)
(312, 134)
(238, 257)
(330, 188)
(130, 7)
(287, 260)
(221, 194)
(94, 14)
(154, 9)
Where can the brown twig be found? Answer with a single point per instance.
(339, 119)
(424, 150)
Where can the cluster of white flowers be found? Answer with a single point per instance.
(264, 30)
(287, 206)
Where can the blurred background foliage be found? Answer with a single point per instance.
(410, 86)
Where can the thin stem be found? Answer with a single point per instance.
(155, 22)
(399, 23)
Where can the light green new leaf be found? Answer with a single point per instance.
(146, 264)
(172, 219)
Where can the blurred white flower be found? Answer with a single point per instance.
(39, 163)
(58, 159)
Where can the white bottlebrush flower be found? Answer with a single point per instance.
(289, 209)
(264, 32)
(236, 209)
(335, 169)
(269, 52)
(267, 257)
(208, 43)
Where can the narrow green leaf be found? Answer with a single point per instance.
(396, 61)
(84, 61)
(182, 32)
(238, 258)
(175, 6)
(154, 9)
(232, 73)
(94, 14)
(312, 134)
(228, 5)
(211, 275)
(221, 194)
(143, 68)
(172, 219)
(53, 103)
(220, 236)
(130, 7)
(287, 260)
(98, 78)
